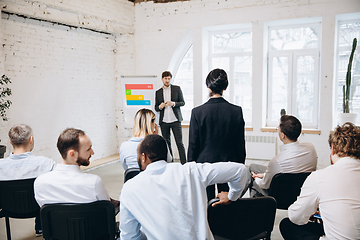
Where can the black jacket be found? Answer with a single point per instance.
(216, 133)
(176, 96)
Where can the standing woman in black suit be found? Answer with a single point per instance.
(216, 132)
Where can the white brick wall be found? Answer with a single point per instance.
(62, 77)
(106, 15)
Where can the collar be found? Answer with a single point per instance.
(347, 161)
(289, 145)
(68, 168)
(136, 139)
(216, 100)
(21, 156)
(166, 88)
(156, 168)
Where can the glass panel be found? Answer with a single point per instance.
(242, 86)
(305, 88)
(343, 60)
(280, 76)
(184, 79)
(348, 31)
(294, 38)
(231, 42)
(223, 63)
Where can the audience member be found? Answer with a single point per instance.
(144, 124)
(21, 164)
(294, 157)
(335, 191)
(168, 201)
(168, 100)
(66, 183)
(216, 132)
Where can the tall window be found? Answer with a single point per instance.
(293, 73)
(231, 51)
(184, 79)
(347, 31)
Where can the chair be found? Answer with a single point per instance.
(86, 221)
(130, 173)
(285, 187)
(17, 201)
(246, 218)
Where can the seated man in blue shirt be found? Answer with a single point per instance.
(168, 200)
(21, 164)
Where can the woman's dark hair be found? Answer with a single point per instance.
(217, 81)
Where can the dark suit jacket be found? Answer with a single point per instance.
(216, 133)
(176, 96)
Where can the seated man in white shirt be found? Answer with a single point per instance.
(66, 183)
(21, 164)
(168, 200)
(334, 191)
(294, 157)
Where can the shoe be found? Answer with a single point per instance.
(38, 233)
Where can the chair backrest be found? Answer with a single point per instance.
(246, 218)
(130, 173)
(86, 221)
(285, 187)
(17, 199)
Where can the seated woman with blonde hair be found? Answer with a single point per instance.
(144, 124)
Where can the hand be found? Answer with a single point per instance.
(170, 103)
(257, 175)
(223, 196)
(162, 105)
(156, 129)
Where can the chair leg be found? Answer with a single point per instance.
(7, 222)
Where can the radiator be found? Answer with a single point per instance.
(261, 147)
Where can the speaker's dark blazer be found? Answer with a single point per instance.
(176, 96)
(216, 133)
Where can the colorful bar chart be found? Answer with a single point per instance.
(137, 99)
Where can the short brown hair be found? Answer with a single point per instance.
(290, 126)
(20, 134)
(166, 74)
(69, 139)
(346, 140)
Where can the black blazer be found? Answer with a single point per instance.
(176, 96)
(216, 133)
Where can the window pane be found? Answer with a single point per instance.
(280, 76)
(348, 31)
(223, 63)
(305, 88)
(231, 42)
(242, 86)
(184, 79)
(294, 38)
(343, 60)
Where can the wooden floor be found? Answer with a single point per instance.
(113, 178)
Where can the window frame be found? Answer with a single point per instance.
(341, 19)
(293, 55)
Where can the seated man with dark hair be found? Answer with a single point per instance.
(294, 157)
(168, 200)
(335, 191)
(21, 164)
(67, 184)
